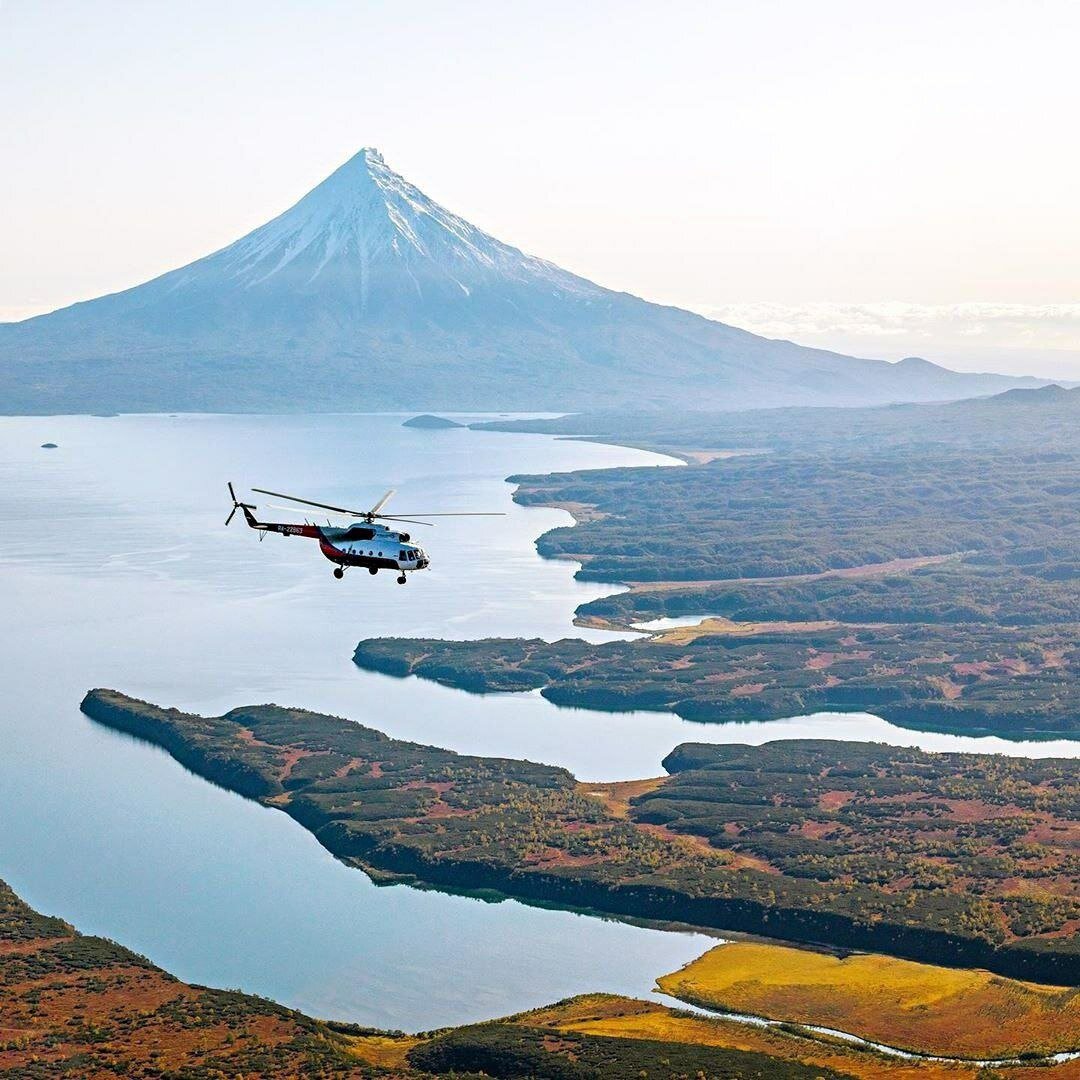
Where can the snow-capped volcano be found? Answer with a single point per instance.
(371, 218)
(367, 294)
(364, 247)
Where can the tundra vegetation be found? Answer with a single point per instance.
(920, 1007)
(921, 562)
(77, 1006)
(962, 858)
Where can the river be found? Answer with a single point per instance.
(116, 570)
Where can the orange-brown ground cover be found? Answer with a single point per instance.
(85, 1007)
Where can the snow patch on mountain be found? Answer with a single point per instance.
(369, 215)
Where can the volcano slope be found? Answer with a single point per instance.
(964, 859)
(368, 295)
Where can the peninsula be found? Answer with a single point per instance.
(963, 859)
(920, 562)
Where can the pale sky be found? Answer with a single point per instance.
(882, 178)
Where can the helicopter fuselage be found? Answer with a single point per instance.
(374, 546)
(366, 544)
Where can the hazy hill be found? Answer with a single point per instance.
(367, 294)
(1017, 421)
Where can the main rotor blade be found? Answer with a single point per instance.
(411, 521)
(294, 510)
(308, 502)
(374, 511)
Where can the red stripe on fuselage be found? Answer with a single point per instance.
(314, 532)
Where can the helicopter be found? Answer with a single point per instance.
(366, 542)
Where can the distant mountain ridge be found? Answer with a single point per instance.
(1018, 422)
(366, 294)
(1051, 392)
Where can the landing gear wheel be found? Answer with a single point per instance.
(401, 579)
(372, 570)
(339, 572)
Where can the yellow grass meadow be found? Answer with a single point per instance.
(919, 1007)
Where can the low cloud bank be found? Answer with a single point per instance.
(1022, 339)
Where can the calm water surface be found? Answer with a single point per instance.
(115, 570)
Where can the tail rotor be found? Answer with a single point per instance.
(236, 504)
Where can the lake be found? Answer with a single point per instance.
(116, 570)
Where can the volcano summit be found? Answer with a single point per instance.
(368, 295)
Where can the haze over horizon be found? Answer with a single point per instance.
(885, 187)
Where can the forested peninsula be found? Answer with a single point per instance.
(963, 859)
(920, 562)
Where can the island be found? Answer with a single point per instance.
(428, 422)
(962, 859)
